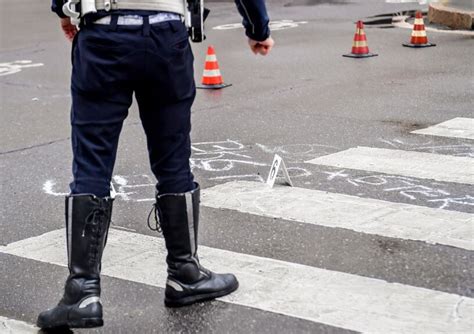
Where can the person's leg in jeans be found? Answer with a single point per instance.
(165, 101)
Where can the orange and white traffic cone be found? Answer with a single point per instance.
(418, 34)
(211, 77)
(360, 48)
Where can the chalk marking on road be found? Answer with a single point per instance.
(296, 172)
(413, 189)
(409, 189)
(408, 163)
(406, 187)
(12, 326)
(48, 188)
(371, 216)
(218, 146)
(465, 200)
(16, 66)
(254, 177)
(388, 142)
(220, 156)
(298, 151)
(335, 174)
(217, 157)
(125, 182)
(458, 127)
(338, 299)
(213, 165)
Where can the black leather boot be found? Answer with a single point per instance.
(87, 223)
(188, 282)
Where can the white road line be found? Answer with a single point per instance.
(12, 326)
(458, 127)
(364, 215)
(329, 297)
(408, 163)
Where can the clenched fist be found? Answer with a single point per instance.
(263, 47)
(69, 29)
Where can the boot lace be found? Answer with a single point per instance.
(96, 220)
(155, 213)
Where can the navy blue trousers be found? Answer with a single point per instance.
(110, 64)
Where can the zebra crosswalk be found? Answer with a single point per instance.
(407, 163)
(334, 298)
(365, 215)
(459, 127)
(330, 297)
(12, 326)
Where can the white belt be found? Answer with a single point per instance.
(173, 6)
(137, 20)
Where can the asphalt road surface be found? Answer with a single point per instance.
(375, 236)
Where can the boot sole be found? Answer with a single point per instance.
(80, 323)
(86, 323)
(185, 301)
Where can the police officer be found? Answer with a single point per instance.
(141, 47)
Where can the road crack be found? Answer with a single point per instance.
(34, 146)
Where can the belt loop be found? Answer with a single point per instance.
(85, 21)
(113, 22)
(146, 26)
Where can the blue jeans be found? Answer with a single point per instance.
(112, 62)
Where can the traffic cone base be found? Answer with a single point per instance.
(427, 45)
(217, 86)
(361, 55)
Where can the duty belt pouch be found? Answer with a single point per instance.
(194, 18)
(71, 9)
(77, 9)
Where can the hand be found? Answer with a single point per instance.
(69, 29)
(263, 47)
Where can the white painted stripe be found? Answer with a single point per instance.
(329, 297)
(212, 73)
(371, 216)
(11, 326)
(458, 127)
(359, 44)
(211, 58)
(408, 163)
(419, 22)
(418, 33)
